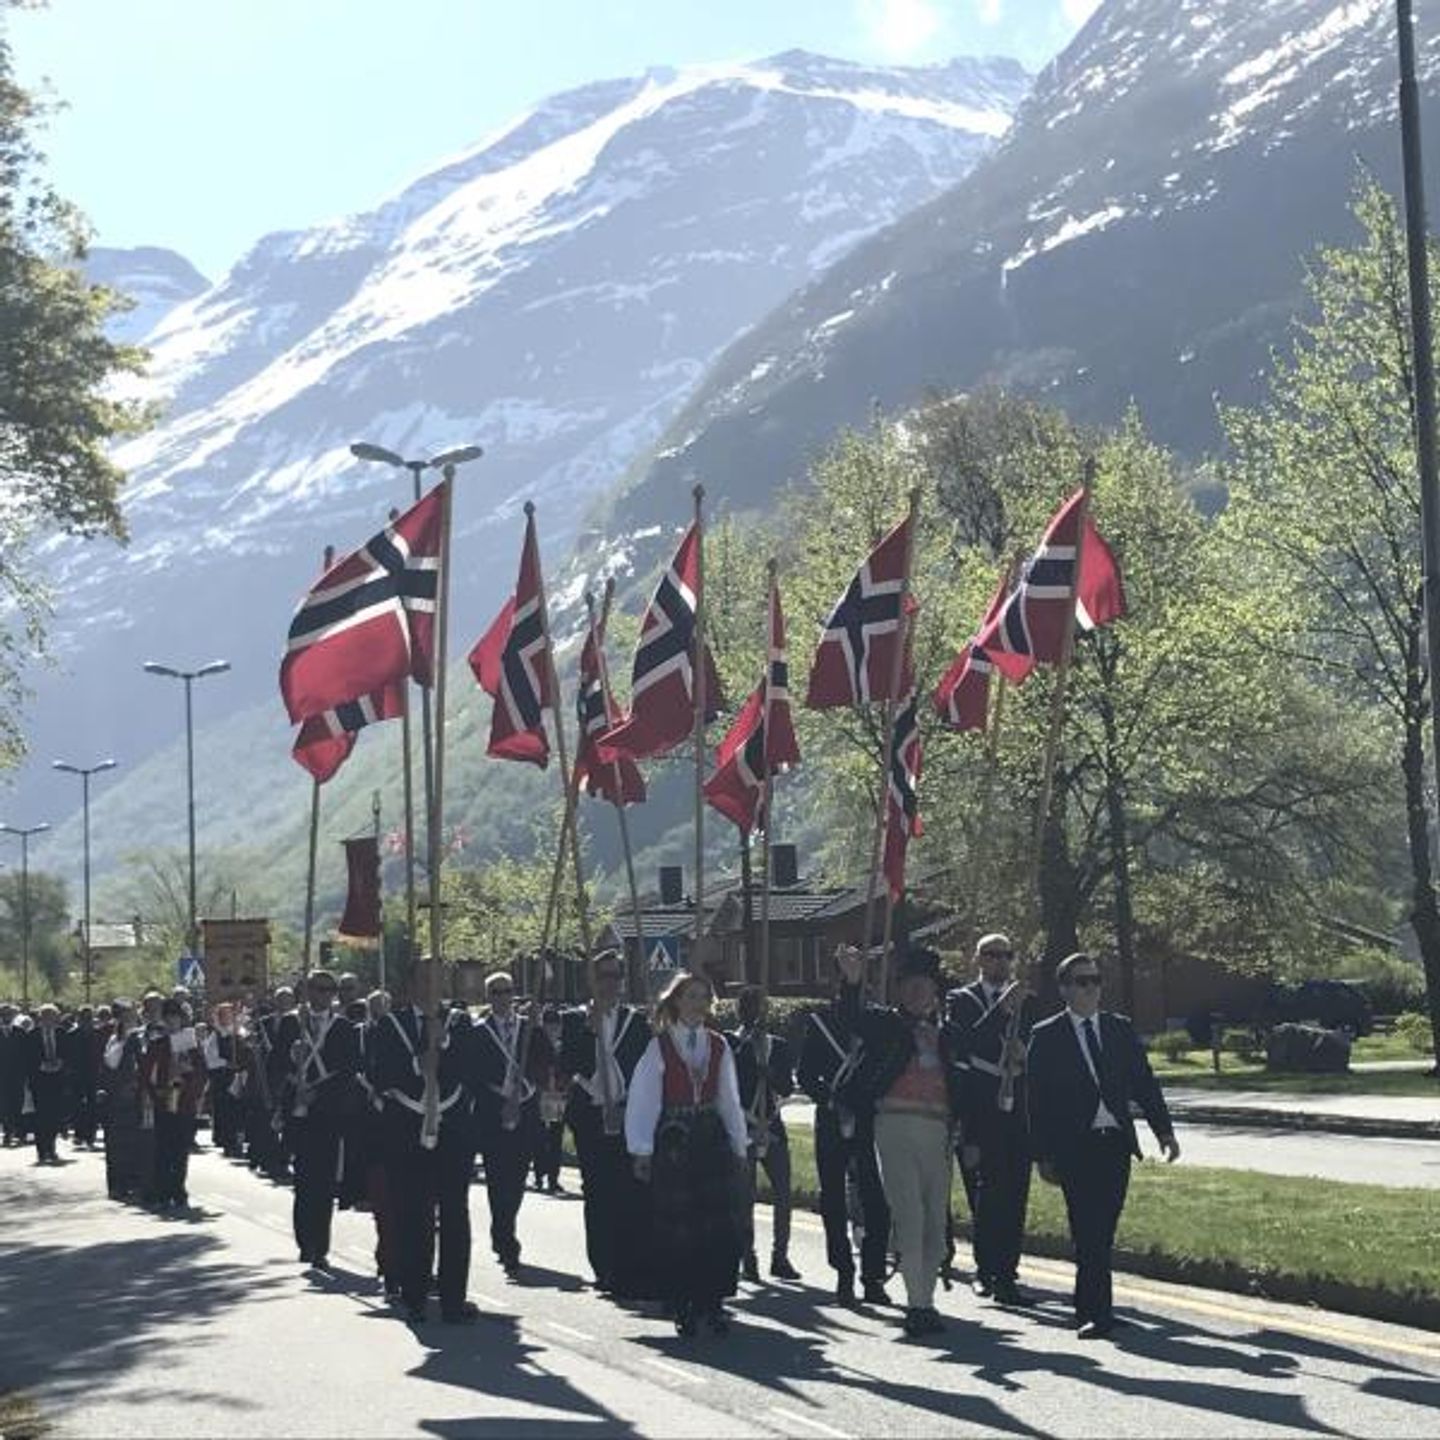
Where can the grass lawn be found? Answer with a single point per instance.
(1237, 1074)
(1294, 1238)
(1386, 1047)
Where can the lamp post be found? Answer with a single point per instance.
(215, 667)
(85, 772)
(24, 832)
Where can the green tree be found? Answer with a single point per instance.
(1325, 492)
(58, 412)
(52, 945)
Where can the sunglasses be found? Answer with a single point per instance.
(607, 974)
(502, 990)
(1084, 982)
(997, 954)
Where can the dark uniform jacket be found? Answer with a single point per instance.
(396, 1052)
(825, 1050)
(325, 1080)
(779, 1075)
(489, 1065)
(887, 1039)
(1063, 1096)
(977, 1031)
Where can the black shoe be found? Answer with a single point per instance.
(1007, 1292)
(914, 1326)
(511, 1265)
(982, 1287)
(322, 1262)
(782, 1269)
(465, 1313)
(845, 1292)
(415, 1314)
(392, 1290)
(876, 1293)
(555, 1188)
(750, 1270)
(1094, 1329)
(685, 1322)
(718, 1321)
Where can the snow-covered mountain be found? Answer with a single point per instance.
(555, 293)
(1140, 235)
(156, 280)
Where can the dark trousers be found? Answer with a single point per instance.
(225, 1114)
(776, 1164)
(388, 1263)
(261, 1141)
(84, 1122)
(12, 1101)
(174, 1135)
(49, 1113)
(1094, 1177)
(834, 1155)
(422, 1183)
(605, 1170)
(999, 1194)
(548, 1146)
(317, 1159)
(507, 1160)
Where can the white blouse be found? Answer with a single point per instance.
(647, 1093)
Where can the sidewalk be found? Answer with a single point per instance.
(1410, 1117)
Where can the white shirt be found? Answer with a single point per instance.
(605, 1038)
(647, 1091)
(1103, 1120)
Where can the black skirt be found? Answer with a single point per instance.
(701, 1200)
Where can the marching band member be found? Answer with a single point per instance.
(909, 1077)
(510, 1059)
(765, 1077)
(554, 1095)
(990, 1019)
(48, 1072)
(224, 1067)
(324, 1057)
(845, 1138)
(129, 1120)
(686, 1133)
(14, 1064)
(601, 1043)
(1085, 1068)
(174, 1079)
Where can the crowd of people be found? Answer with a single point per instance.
(671, 1120)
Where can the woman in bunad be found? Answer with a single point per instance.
(686, 1133)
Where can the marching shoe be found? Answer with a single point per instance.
(685, 1320)
(782, 1269)
(718, 1321)
(876, 1293)
(982, 1287)
(465, 1313)
(845, 1292)
(1093, 1330)
(750, 1269)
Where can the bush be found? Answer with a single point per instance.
(1391, 982)
(1242, 1042)
(1172, 1044)
(1414, 1029)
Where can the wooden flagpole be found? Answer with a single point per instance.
(635, 974)
(412, 979)
(1057, 706)
(992, 750)
(430, 1127)
(896, 673)
(697, 670)
(326, 562)
(769, 792)
(890, 763)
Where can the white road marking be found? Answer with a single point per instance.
(673, 1371)
(568, 1330)
(790, 1417)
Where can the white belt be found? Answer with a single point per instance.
(418, 1106)
(976, 1063)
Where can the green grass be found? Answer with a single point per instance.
(1366, 1248)
(1194, 1070)
(1385, 1047)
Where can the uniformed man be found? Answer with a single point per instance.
(600, 1045)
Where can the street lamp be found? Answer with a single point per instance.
(24, 832)
(85, 772)
(215, 667)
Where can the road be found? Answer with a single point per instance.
(121, 1323)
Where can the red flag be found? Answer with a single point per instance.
(360, 924)
(963, 695)
(855, 660)
(620, 781)
(662, 698)
(511, 661)
(902, 802)
(325, 741)
(757, 741)
(1030, 627)
(368, 622)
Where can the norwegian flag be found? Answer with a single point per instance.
(618, 781)
(855, 660)
(369, 621)
(325, 741)
(757, 742)
(902, 804)
(963, 695)
(1030, 626)
(511, 662)
(662, 696)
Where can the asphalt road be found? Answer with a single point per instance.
(122, 1323)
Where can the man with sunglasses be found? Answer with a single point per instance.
(1086, 1068)
(995, 1158)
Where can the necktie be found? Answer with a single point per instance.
(49, 1044)
(1092, 1044)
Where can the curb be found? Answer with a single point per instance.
(1327, 1121)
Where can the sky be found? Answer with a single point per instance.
(201, 125)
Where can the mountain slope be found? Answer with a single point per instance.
(555, 293)
(1139, 236)
(156, 280)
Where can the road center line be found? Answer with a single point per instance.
(790, 1417)
(673, 1371)
(569, 1330)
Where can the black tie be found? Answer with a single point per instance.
(1092, 1044)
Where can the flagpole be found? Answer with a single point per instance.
(430, 1127)
(379, 881)
(995, 722)
(896, 673)
(1057, 705)
(567, 777)
(412, 908)
(769, 789)
(698, 671)
(635, 974)
(426, 720)
(327, 560)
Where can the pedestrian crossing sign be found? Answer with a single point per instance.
(191, 972)
(666, 954)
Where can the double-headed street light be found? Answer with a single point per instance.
(85, 772)
(363, 450)
(24, 832)
(215, 667)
